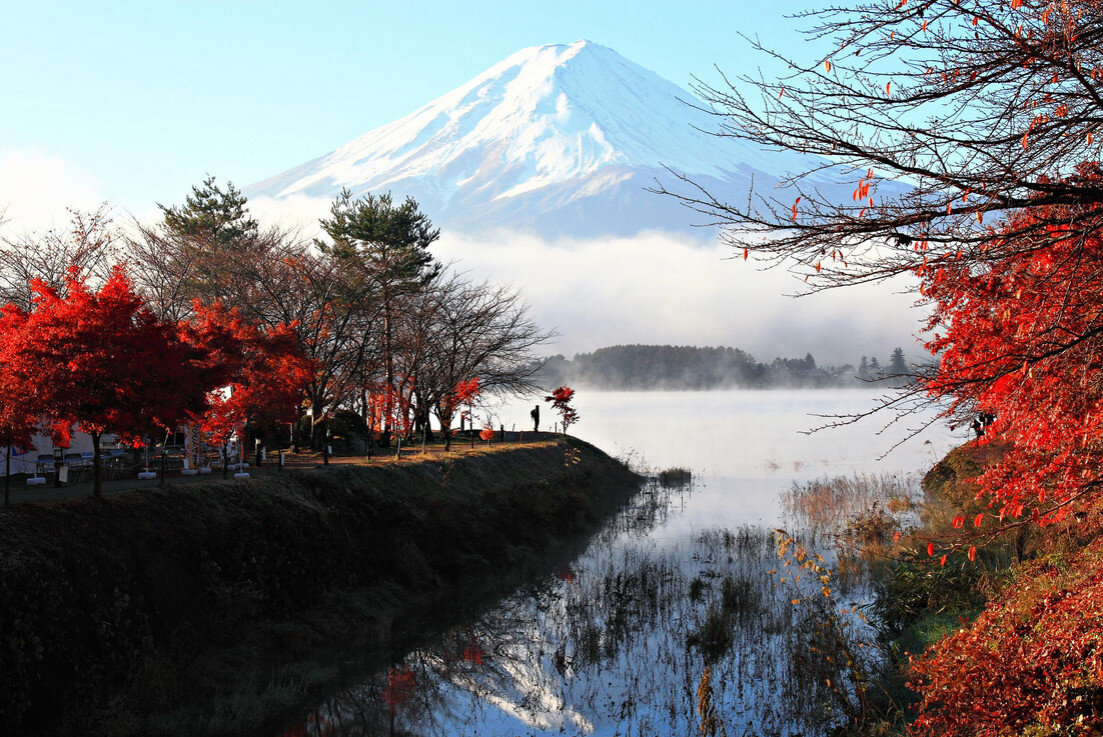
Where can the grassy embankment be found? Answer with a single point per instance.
(209, 607)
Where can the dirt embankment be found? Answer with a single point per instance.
(133, 594)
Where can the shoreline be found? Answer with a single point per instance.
(120, 610)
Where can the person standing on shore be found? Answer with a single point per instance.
(535, 415)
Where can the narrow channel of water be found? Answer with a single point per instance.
(685, 579)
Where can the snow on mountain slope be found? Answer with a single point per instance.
(562, 139)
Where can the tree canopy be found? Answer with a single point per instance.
(212, 216)
(102, 361)
(389, 242)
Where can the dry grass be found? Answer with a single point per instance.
(829, 506)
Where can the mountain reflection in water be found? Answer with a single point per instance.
(617, 644)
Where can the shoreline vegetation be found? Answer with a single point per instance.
(978, 628)
(978, 182)
(690, 368)
(209, 607)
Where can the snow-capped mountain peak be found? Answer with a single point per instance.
(540, 140)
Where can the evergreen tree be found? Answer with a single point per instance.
(897, 366)
(216, 219)
(204, 243)
(387, 247)
(389, 242)
(874, 367)
(863, 369)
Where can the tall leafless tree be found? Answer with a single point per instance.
(88, 247)
(969, 109)
(946, 117)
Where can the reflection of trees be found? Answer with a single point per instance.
(618, 643)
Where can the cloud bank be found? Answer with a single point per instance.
(651, 288)
(36, 187)
(657, 288)
(664, 289)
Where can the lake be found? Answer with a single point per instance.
(679, 618)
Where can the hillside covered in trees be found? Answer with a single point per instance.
(667, 367)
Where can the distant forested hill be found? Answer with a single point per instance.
(625, 367)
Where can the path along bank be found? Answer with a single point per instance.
(119, 617)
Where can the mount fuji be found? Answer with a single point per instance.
(562, 140)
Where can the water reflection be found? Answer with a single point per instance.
(618, 642)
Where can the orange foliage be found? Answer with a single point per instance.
(1033, 661)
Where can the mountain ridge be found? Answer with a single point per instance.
(559, 139)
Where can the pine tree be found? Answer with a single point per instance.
(897, 366)
(863, 369)
(207, 240)
(389, 242)
(387, 246)
(217, 219)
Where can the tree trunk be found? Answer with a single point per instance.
(388, 363)
(97, 468)
(7, 479)
(279, 448)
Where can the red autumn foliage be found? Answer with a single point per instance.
(466, 394)
(390, 408)
(18, 420)
(462, 397)
(100, 360)
(561, 403)
(474, 654)
(486, 433)
(400, 687)
(258, 374)
(1020, 338)
(1032, 663)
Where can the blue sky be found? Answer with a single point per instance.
(135, 101)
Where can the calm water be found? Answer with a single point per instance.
(684, 579)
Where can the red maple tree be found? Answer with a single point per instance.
(561, 403)
(1030, 664)
(255, 373)
(17, 420)
(1020, 340)
(462, 397)
(100, 361)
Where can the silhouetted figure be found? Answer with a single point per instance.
(535, 415)
(981, 423)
